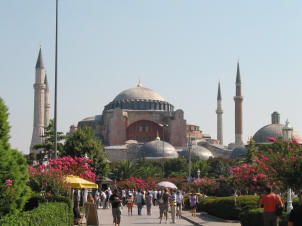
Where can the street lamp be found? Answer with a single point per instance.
(189, 147)
(163, 126)
(287, 133)
(198, 174)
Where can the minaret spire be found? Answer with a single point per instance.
(39, 103)
(238, 78)
(40, 62)
(238, 109)
(219, 113)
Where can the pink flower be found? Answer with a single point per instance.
(9, 182)
(272, 139)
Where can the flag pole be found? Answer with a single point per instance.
(56, 74)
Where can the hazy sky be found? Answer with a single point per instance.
(180, 48)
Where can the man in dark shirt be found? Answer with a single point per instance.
(116, 204)
(295, 216)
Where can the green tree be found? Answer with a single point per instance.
(4, 125)
(199, 164)
(176, 167)
(251, 151)
(83, 141)
(47, 146)
(13, 171)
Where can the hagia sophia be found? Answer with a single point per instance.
(140, 123)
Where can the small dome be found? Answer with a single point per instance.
(238, 152)
(158, 149)
(197, 152)
(272, 130)
(138, 93)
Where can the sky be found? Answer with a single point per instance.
(179, 48)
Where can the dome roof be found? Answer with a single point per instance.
(138, 93)
(158, 149)
(197, 152)
(272, 130)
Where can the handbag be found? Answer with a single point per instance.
(279, 208)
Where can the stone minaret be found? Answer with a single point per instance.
(238, 110)
(46, 103)
(39, 106)
(219, 113)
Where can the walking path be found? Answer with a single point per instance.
(105, 218)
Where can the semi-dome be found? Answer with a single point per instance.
(273, 130)
(158, 149)
(139, 98)
(197, 152)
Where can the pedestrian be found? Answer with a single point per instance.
(149, 199)
(130, 204)
(103, 198)
(139, 202)
(97, 198)
(269, 200)
(116, 204)
(76, 206)
(173, 206)
(155, 194)
(179, 203)
(295, 216)
(193, 203)
(106, 203)
(90, 211)
(164, 205)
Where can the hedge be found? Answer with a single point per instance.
(254, 217)
(47, 214)
(225, 207)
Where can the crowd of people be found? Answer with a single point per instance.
(164, 199)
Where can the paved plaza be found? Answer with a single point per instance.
(105, 219)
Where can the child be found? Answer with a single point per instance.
(130, 204)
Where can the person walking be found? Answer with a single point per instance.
(269, 200)
(164, 205)
(116, 204)
(179, 203)
(139, 202)
(173, 206)
(295, 216)
(149, 199)
(130, 204)
(193, 203)
(76, 206)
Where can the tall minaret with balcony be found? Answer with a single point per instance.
(39, 103)
(46, 103)
(238, 109)
(219, 113)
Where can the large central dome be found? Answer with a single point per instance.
(139, 93)
(140, 98)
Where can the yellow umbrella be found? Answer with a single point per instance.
(77, 182)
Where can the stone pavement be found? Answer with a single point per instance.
(105, 218)
(207, 220)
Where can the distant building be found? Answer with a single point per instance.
(138, 114)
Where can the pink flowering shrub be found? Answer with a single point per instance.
(206, 185)
(50, 179)
(278, 165)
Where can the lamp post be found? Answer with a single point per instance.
(287, 133)
(198, 174)
(189, 147)
(163, 166)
